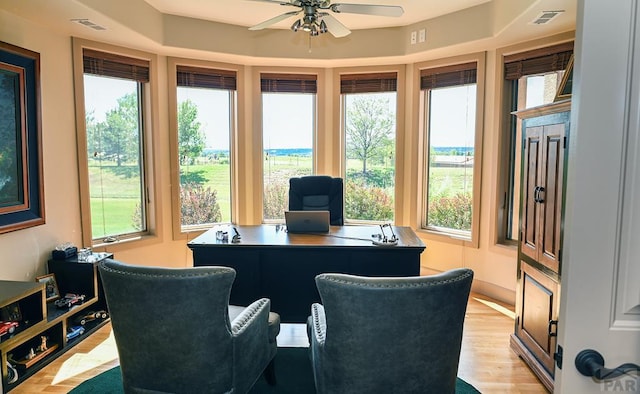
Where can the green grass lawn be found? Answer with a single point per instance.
(115, 190)
(449, 181)
(110, 216)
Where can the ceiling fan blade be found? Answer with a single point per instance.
(280, 2)
(334, 26)
(368, 9)
(274, 20)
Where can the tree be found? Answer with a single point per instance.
(95, 133)
(369, 125)
(191, 140)
(121, 130)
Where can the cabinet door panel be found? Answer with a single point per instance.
(552, 169)
(539, 307)
(530, 180)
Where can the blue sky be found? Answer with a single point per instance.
(288, 118)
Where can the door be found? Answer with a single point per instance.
(600, 300)
(530, 216)
(538, 314)
(549, 195)
(544, 151)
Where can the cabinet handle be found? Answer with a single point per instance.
(536, 196)
(550, 326)
(590, 363)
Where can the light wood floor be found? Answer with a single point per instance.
(486, 360)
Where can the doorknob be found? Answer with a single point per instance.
(590, 363)
(536, 196)
(550, 326)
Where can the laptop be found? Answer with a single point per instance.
(307, 221)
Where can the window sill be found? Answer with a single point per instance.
(448, 237)
(125, 244)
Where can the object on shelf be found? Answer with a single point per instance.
(70, 300)
(90, 316)
(12, 373)
(94, 257)
(11, 312)
(64, 251)
(84, 253)
(50, 286)
(34, 356)
(8, 327)
(74, 332)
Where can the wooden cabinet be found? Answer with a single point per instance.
(545, 131)
(542, 192)
(44, 330)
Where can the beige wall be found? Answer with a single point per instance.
(25, 252)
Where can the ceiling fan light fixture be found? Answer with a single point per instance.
(323, 27)
(296, 25)
(316, 10)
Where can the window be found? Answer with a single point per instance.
(450, 96)
(369, 119)
(531, 79)
(205, 107)
(114, 93)
(288, 130)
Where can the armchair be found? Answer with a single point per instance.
(318, 193)
(388, 335)
(176, 333)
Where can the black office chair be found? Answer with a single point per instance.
(318, 193)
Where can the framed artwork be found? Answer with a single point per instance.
(21, 189)
(566, 85)
(50, 286)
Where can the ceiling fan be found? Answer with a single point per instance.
(317, 20)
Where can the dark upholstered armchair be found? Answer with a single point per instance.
(176, 333)
(388, 335)
(318, 193)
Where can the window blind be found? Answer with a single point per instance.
(117, 66)
(446, 76)
(288, 83)
(198, 77)
(538, 61)
(369, 83)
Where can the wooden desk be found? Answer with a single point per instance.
(282, 266)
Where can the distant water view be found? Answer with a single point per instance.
(459, 150)
(289, 152)
(306, 152)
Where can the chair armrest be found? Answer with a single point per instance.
(318, 324)
(251, 348)
(257, 311)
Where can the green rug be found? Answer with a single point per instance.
(297, 380)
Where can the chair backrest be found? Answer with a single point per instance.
(400, 335)
(171, 326)
(318, 193)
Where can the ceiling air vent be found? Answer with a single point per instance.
(545, 17)
(88, 23)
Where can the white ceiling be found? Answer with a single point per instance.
(249, 13)
(132, 23)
